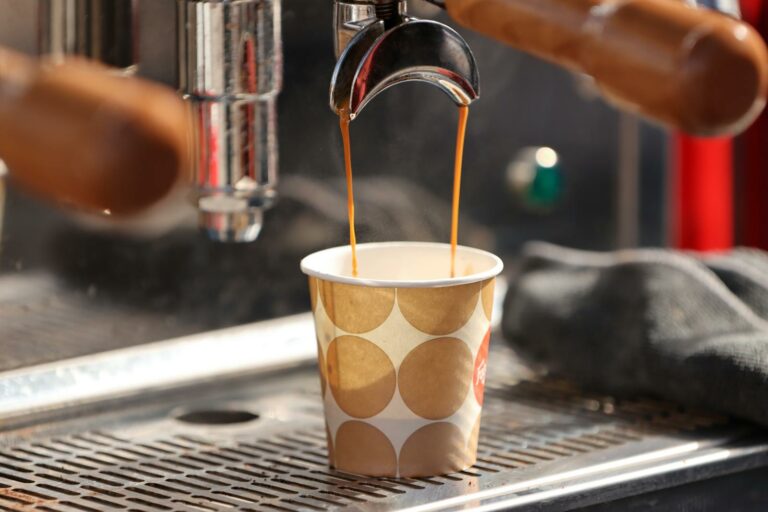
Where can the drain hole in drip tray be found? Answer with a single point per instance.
(216, 417)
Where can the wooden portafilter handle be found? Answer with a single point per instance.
(79, 135)
(694, 69)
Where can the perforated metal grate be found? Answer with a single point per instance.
(526, 425)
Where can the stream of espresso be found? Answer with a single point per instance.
(461, 131)
(344, 125)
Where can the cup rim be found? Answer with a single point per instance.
(494, 271)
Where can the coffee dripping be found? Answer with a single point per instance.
(461, 131)
(387, 48)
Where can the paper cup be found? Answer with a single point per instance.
(402, 351)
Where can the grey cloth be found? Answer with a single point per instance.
(682, 327)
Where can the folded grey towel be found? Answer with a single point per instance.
(688, 328)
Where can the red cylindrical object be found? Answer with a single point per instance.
(703, 193)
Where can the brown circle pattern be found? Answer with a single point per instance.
(356, 309)
(438, 311)
(361, 376)
(435, 377)
(362, 448)
(434, 449)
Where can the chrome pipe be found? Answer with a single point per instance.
(230, 71)
(101, 30)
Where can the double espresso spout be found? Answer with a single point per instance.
(378, 46)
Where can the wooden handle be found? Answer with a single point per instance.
(81, 136)
(694, 69)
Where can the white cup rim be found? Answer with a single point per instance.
(309, 266)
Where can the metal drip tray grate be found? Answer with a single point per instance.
(261, 446)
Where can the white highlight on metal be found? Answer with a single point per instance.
(261, 346)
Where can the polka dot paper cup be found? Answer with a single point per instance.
(402, 351)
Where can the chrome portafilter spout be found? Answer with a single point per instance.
(378, 46)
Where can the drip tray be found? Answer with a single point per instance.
(257, 442)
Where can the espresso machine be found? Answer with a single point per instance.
(166, 362)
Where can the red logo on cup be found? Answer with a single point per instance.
(481, 367)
